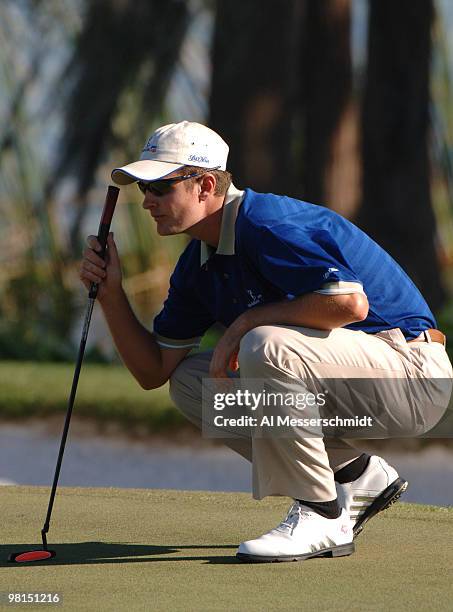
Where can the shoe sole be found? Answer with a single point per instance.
(383, 501)
(336, 551)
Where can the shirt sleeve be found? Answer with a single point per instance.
(300, 261)
(183, 319)
(341, 288)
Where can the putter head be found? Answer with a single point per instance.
(31, 555)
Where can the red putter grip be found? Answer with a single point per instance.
(109, 206)
(104, 228)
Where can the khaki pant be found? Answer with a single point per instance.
(303, 467)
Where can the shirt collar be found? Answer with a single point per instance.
(233, 200)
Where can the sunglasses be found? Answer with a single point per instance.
(164, 186)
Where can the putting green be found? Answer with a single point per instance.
(130, 549)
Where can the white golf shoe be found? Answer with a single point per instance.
(301, 535)
(376, 489)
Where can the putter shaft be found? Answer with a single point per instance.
(75, 380)
(104, 227)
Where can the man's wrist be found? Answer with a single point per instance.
(243, 323)
(112, 298)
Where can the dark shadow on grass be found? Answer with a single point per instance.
(86, 553)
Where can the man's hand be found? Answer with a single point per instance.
(225, 354)
(310, 310)
(94, 269)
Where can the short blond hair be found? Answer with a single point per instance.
(223, 178)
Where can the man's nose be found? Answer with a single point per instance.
(148, 201)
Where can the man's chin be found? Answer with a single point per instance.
(167, 231)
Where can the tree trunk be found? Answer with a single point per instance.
(252, 95)
(281, 97)
(330, 160)
(396, 209)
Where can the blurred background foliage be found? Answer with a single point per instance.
(345, 103)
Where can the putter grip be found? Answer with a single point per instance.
(104, 228)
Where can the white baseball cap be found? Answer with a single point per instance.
(171, 147)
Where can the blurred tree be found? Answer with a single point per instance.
(281, 97)
(120, 41)
(113, 88)
(36, 307)
(329, 163)
(253, 89)
(396, 208)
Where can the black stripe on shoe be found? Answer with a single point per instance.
(383, 501)
(336, 551)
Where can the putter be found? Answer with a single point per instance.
(104, 227)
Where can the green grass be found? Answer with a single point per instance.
(137, 549)
(105, 393)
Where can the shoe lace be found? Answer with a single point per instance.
(295, 514)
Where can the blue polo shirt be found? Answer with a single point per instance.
(275, 248)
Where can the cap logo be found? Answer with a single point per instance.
(150, 147)
(199, 158)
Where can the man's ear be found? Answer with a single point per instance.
(207, 185)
